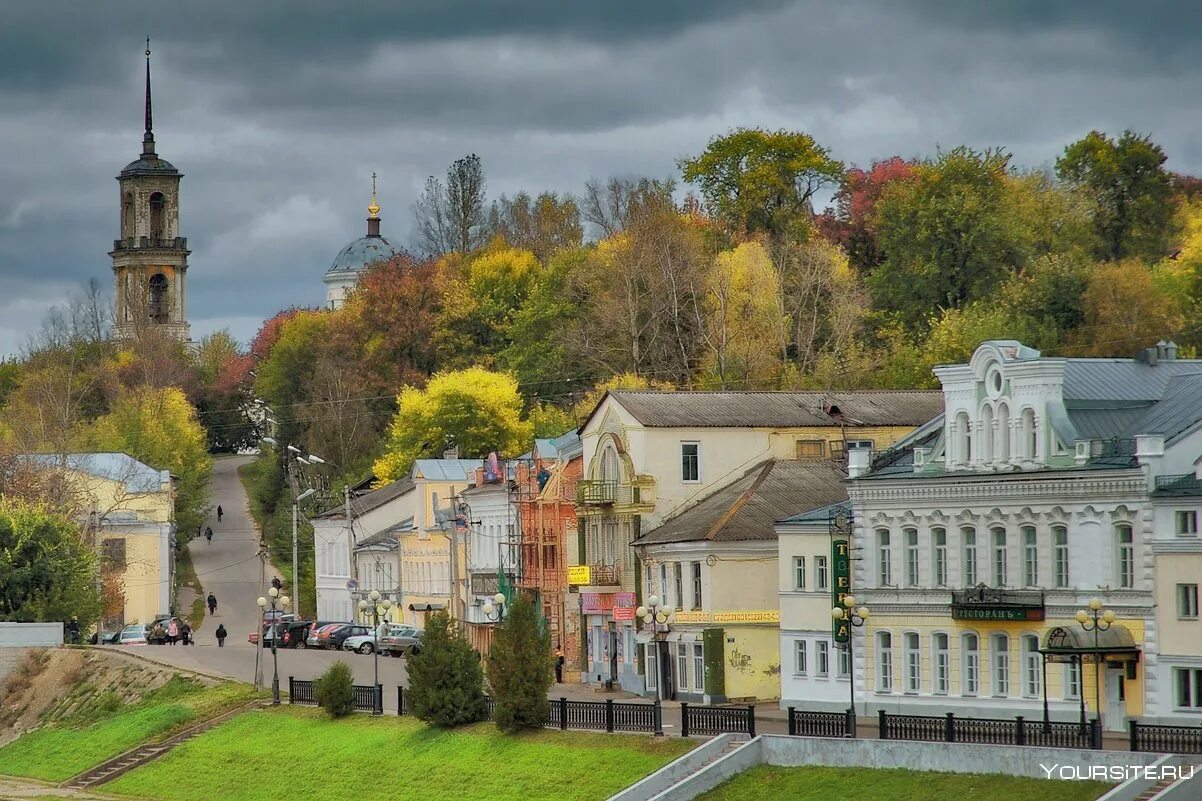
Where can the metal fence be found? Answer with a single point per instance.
(605, 716)
(989, 731)
(366, 697)
(717, 719)
(821, 724)
(1165, 739)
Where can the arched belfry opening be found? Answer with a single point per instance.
(158, 209)
(127, 215)
(158, 300)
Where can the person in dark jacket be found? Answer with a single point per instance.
(559, 666)
(73, 631)
(185, 633)
(212, 602)
(221, 635)
(219, 513)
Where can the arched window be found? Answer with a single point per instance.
(999, 557)
(158, 217)
(913, 662)
(963, 439)
(884, 558)
(609, 466)
(127, 215)
(1001, 448)
(943, 666)
(971, 681)
(157, 298)
(1028, 435)
(1126, 555)
(985, 446)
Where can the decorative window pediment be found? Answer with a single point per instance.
(996, 515)
(1025, 515)
(938, 518)
(967, 518)
(880, 519)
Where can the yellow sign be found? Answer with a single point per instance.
(765, 616)
(692, 617)
(579, 574)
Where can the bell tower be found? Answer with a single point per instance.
(150, 259)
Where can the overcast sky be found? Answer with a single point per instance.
(278, 111)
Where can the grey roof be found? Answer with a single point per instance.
(371, 500)
(119, 467)
(565, 446)
(361, 253)
(778, 409)
(747, 508)
(1122, 379)
(385, 539)
(149, 165)
(820, 515)
(445, 469)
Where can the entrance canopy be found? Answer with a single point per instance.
(1073, 644)
(436, 607)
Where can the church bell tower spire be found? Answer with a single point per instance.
(148, 137)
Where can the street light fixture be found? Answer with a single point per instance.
(494, 608)
(269, 440)
(855, 617)
(658, 618)
(377, 609)
(282, 601)
(1096, 620)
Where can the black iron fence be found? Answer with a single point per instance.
(563, 714)
(717, 719)
(821, 724)
(366, 697)
(1165, 739)
(989, 731)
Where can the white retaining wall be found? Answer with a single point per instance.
(27, 635)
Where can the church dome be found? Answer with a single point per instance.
(149, 164)
(361, 253)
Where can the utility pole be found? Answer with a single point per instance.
(453, 601)
(295, 573)
(95, 519)
(259, 617)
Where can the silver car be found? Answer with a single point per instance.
(387, 633)
(133, 634)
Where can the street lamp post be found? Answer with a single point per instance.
(376, 609)
(1096, 620)
(494, 608)
(855, 618)
(277, 603)
(658, 618)
(294, 454)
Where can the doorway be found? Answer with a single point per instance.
(1115, 717)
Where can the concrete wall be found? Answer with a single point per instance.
(24, 635)
(669, 776)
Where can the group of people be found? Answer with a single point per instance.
(209, 529)
(175, 631)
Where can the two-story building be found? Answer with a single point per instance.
(488, 520)
(1050, 482)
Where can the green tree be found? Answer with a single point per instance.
(762, 181)
(544, 225)
(446, 684)
(520, 669)
(475, 409)
(479, 305)
(335, 691)
(1128, 189)
(47, 570)
(550, 421)
(1125, 310)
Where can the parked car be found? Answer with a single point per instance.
(295, 633)
(107, 637)
(400, 639)
(166, 621)
(315, 629)
(332, 637)
(133, 634)
(366, 643)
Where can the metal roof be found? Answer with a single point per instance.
(778, 409)
(747, 508)
(1122, 379)
(371, 500)
(364, 251)
(445, 469)
(122, 468)
(820, 515)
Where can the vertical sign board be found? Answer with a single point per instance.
(840, 528)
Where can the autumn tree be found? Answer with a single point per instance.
(479, 302)
(745, 323)
(762, 181)
(47, 570)
(613, 205)
(589, 400)
(450, 217)
(1125, 311)
(225, 393)
(474, 409)
(1128, 189)
(851, 224)
(544, 225)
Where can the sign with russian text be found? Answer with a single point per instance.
(601, 603)
(996, 613)
(578, 574)
(840, 583)
(622, 613)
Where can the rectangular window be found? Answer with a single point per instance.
(844, 663)
(913, 664)
(884, 559)
(698, 667)
(1030, 558)
(970, 557)
(1001, 665)
(1072, 680)
(811, 448)
(696, 585)
(939, 538)
(884, 653)
(972, 664)
(678, 575)
(822, 652)
(799, 657)
(112, 553)
(1188, 683)
(652, 665)
(663, 584)
(1060, 543)
(911, 557)
(682, 665)
(649, 572)
(1187, 523)
(821, 576)
(1187, 601)
(799, 572)
(859, 444)
(1032, 666)
(690, 462)
(999, 557)
(1126, 544)
(942, 665)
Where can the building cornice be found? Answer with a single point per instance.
(1129, 484)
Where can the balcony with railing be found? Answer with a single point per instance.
(596, 492)
(1179, 484)
(140, 242)
(605, 575)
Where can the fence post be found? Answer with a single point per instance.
(949, 731)
(290, 693)
(792, 724)
(609, 714)
(1020, 731)
(883, 733)
(563, 713)
(1133, 735)
(379, 700)
(657, 716)
(1095, 734)
(684, 719)
(851, 723)
(751, 720)
(400, 700)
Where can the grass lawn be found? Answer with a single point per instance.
(59, 751)
(393, 758)
(823, 784)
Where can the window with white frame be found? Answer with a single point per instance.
(969, 536)
(913, 663)
(799, 572)
(1187, 601)
(1032, 666)
(822, 656)
(799, 657)
(1030, 557)
(1060, 546)
(650, 573)
(682, 665)
(678, 575)
(999, 557)
(822, 577)
(1187, 683)
(844, 663)
(696, 585)
(1126, 555)
(1072, 680)
(911, 536)
(1001, 665)
(663, 584)
(690, 462)
(943, 664)
(698, 667)
(652, 665)
(884, 658)
(884, 558)
(971, 674)
(1187, 523)
(939, 540)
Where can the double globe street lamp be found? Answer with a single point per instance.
(376, 609)
(1096, 620)
(278, 604)
(658, 618)
(494, 608)
(851, 617)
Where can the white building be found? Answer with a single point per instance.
(352, 260)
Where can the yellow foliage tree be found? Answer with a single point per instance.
(620, 381)
(744, 321)
(1126, 310)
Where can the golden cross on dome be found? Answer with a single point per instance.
(374, 207)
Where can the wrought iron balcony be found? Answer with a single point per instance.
(596, 492)
(136, 243)
(1183, 482)
(603, 575)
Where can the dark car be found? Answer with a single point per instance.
(294, 633)
(166, 621)
(333, 636)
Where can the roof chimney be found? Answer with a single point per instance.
(1166, 350)
(858, 461)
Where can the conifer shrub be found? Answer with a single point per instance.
(521, 669)
(335, 690)
(446, 683)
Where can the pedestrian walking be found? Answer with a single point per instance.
(185, 633)
(158, 634)
(212, 602)
(209, 533)
(172, 631)
(73, 631)
(558, 665)
(221, 635)
(219, 513)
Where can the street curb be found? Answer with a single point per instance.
(157, 663)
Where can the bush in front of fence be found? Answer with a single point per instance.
(335, 691)
(520, 669)
(446, 683)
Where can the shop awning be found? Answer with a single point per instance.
(1073, 643)
(427, 607)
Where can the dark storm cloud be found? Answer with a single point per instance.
(278, 111)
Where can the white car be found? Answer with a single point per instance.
(133, 634)
(365, 644)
